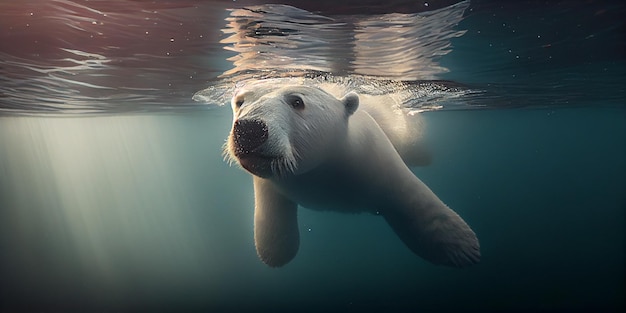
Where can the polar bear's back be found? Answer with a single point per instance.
(405, 130)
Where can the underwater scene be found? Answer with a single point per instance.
(312, 156)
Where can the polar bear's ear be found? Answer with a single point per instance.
(351, 102)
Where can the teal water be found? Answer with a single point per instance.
(119, 213)
(139, 212)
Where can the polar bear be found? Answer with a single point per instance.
(304, 146)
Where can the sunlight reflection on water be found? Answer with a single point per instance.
(138, 59)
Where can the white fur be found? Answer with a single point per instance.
(343, 155)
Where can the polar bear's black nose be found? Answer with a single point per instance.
(249, 135)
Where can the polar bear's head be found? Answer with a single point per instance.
(287, 130)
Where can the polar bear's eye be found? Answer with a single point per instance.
(295, 101)
(239, 102)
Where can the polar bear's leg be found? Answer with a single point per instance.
(447, 240)
(433, 231)
(276, 235)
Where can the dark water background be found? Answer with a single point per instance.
(114, 196)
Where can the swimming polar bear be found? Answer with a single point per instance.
(304, 146)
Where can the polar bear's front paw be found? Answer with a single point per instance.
(444, 239)
(452, 243)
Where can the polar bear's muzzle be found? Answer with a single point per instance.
(248, 135)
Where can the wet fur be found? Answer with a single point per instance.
(339, 158)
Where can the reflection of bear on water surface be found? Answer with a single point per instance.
(306, 147)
